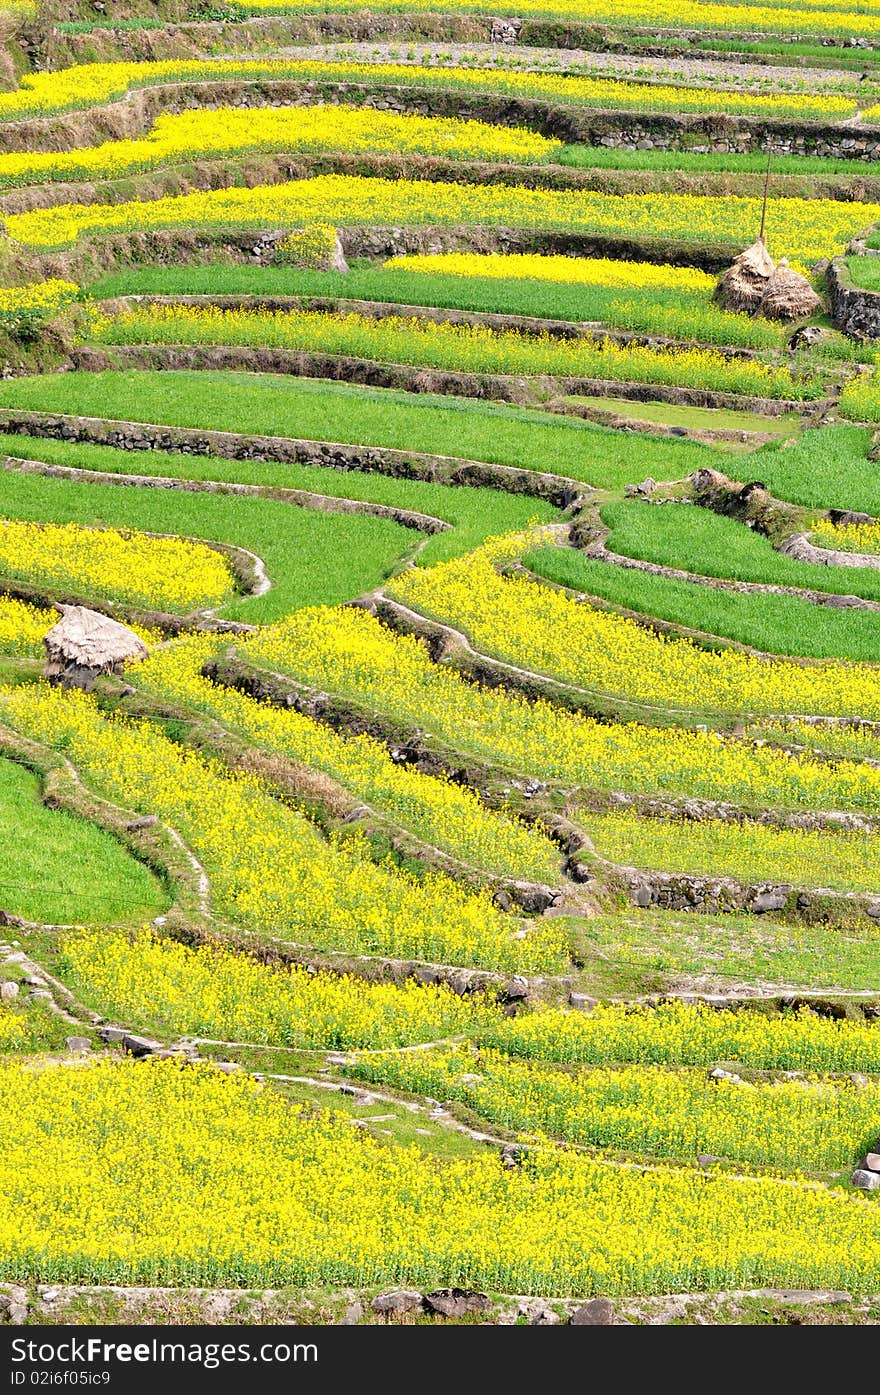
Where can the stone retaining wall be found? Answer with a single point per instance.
(134, 114)
(399, 464)
(854, 310)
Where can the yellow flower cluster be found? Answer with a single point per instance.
(169, 573)
(751, 852)
(799, 228)
(12, 1029)
(308, 248)
(299, 1199)
(440, 812)
(853, 741)
(677, 1033)
(810, 1126)
(229, 131)
(651, 14)
(847, 537)
(270, 868)
(462, 348)
(38, 300)
(214, 992)
(347, 651)
(578, 271)
(91, 83)
(860, 398)
(537, 627)
(22, 627)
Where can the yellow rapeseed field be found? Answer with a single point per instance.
(800, 1125)
(213, 991)
(169, 573)
(22, 627)
(443, 813)
(462, 348)
(347, 651)
(88, 84)
(537, 627)
(798, 228)
(270, 868)
(298, 1199)
(230, 131)
(847, 537)
(678, 1033)
(578, 271)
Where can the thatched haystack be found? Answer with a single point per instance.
(788, 296)
(744, 284)
(85, 643)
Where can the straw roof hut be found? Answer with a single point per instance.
(743, 285)
(787, 295)
(85, 643)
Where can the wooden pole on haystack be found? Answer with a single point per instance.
(761, 237)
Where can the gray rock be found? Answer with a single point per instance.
(542, 1316)
(706, 1160)
(768, 901)
(139, 1046)
(582, 1002)
(403, 1301)
(8, 989)
(146, 821)
(456, 1302)
(226, 1067)
(112, 1034)
(77, 1043)
(872, 1162)
(353, 1314)
(729, 1075)
(865, 1180)
(598, 1312)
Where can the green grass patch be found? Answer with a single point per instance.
(275, 405)
(28, 1027)
(474, 513)
(671, 313)
(771, 624)
(694, 418)
(696, 540)
(60, 869)
(312, 558)
(636, 951)
(698, 162)
(865, 271)
(825, 469)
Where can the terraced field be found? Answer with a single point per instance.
(440, 662)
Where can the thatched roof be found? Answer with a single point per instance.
(743, 285)
(84, 641)
(788, 296)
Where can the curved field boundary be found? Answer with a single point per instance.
(671, 890)
(558, 490)
(267, 167)
(388, 309)
(133, 113)
(499, 387)
(96, 255)
(152, 842)
(601, 553)
(798, 545)
(301, 498)
(333, 802)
